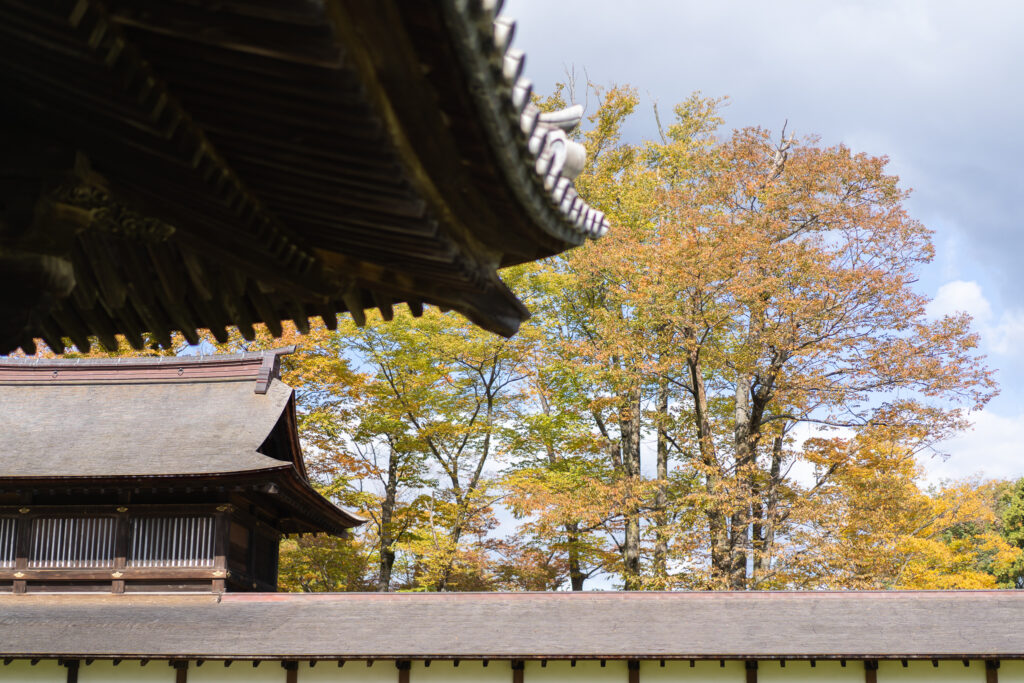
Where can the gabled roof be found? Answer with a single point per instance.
(207, 417)
(81, 419)
(181, 165)
(708, 625)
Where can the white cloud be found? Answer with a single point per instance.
(1001, 336)
(960, 296)
(994, 448)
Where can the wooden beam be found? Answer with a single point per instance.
(72, 667)
(518, 667)
(403, 666)
(21, 550)
(633, 666)
(221, 528)
(870, 671)
(991, 671)
(291, 669)
(180, 670)
(751, 667)
(120, 549)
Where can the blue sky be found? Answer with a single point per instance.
(935, 85)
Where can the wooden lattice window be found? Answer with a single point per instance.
(171, 542)
(8, 542)
(72, 542)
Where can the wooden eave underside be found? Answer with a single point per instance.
(308, 160)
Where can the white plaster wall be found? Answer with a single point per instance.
(22, 671)
(802, 671)
(352, 672)
(465, 672)
(128, 671)
(923, 672)
(702, 671)
(239, 672)
(1009, 671)
(614, 671)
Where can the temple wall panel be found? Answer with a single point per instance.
(701, 671)
(472, 671)
(104, 671)
(238, 672)
(803, 672)
(22, 671)
(924, 672)
(614, 671)
(352, 672)
(1010, 671)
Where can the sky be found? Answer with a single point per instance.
(934, 85)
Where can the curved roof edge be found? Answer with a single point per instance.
(526, 138)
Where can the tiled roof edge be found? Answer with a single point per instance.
(533, 149)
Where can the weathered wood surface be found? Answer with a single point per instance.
(225, 166)
(851, 625)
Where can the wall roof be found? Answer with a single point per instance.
(853, 625)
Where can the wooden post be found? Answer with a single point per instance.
(403, 666)
(751, 666)
(291, 671)
(221, 529)
(121, 533)
(22, 548)
(517, 670)
(991, 671)
(870, 671)
(634, 670)
(180, 671)
(72, 667)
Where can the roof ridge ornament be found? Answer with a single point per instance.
(271, 367)
(566, 119)
(556, 156)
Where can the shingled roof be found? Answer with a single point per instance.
(795, 625)
(141, 420)
(181, 165)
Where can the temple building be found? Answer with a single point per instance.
(151, 474)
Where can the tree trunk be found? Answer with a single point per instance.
(771, 504)
(630, 435)
(661, 532)
(743, 447)
(387, 513)
(576, 575)
(717, 527)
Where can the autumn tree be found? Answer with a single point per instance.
(873, 524)
(754, 287)
(1011, 517)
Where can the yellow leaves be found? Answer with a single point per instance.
(874, 527)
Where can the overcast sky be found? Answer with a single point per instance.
(935, 85)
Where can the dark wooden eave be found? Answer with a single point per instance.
(182, 165)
